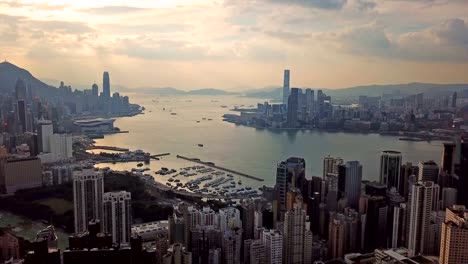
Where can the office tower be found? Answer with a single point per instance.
(407, 170)
(44, 131)
(248, 214)
(88, 189)
(349, 182)
(449, 198)
(19, 173)
(375, 232)
(420, 216)
(435, 227)
(232, 244)
(293, 235)
(454, 236)
(177, 254)
(286, 87)
(290, 174)
(273, 241)
(22, 114)
(428, 171)
(330, 165)
(336, 239)
(390, 163)
(105, 85)
(117, 217)
(20, 90)
(310, 98)
(399, 231)
(95, 90)
(461, 169)
(448, 158)
(61, 146)
(293, 107)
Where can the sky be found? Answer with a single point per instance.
(238, 44)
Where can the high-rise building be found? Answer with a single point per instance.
(257, 253)
(421, 202)
(44, 131)
(407, 170)
(454, 236)
(336, 239)
(310, 99)
(290, 174)
(106, 85)
(248, 214)
(330, 165)
(293, 235)
(19, 173)
(448, 158)
(399, 231)
(435, 227)
(95, 90)
(307, 249)
(293, 107)
(232, 246)
(22, 114)
(461, 169)
(390, 163)
(177, 254)
(375, 223)
(428, 171)
(286, 87)
(449, 198)
(349, 182)
(88, 190)
(273, 241)
(117, 217)
(61, 146)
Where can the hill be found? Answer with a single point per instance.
(10, 73)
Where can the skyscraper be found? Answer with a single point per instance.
(88, 189)
(330, 165)
(106, 85)
(310, 99)
(293, 107)
(336, 239)
(428, 171)
(44, 132)
(117, 217)
(289, 174)
(95, 90)
(448, 158)
(390, 163)
(375, 223)
(449, 198)
(286, 87)
(454, 236)
(461, 169)
(273, 241)
(420, 216)
(293, 236)
(349, 182)
(232, 243)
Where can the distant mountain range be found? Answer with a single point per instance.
(10, 73)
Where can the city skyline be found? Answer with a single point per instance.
(247, 43)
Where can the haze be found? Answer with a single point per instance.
(237, 44)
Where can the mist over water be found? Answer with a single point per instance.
(249, 150)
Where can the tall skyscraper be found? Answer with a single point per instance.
(448, 158)
(461, 169)
(44, 132)
(232, 244)
(293, 107)
(286, 87)
(336, 239)
(330, 165)
(257, 252)
(294, 230)
(399, 231)
(454, 236)
(390, 163)
(349, 182)
(375, 223)
(273, 241)
(117, 217)
(428, 171)
(449, 198)
(310, 99)
(420, 216)
(289, 174)
(88, 189)
(106, 85)
(95, 90)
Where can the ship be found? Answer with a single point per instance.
(200, 145)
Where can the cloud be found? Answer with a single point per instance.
(321, 4)
(112, 10)
(63, 27)
(444, 42)
(9, 28)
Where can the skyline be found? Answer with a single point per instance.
(329, 44)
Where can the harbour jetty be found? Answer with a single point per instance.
(212, 165)
(110, 148)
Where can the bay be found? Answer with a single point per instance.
(176, 124)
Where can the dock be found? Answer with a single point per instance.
(209, 164)
(110, 148)
(155, 156)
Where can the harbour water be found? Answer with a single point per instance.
(178, 124)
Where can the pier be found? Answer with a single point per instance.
(110, 148)
(210, 164)
(155, 156)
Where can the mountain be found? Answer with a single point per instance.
(429, 90)
(209, 91)
(10, 73)
(173, 91)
